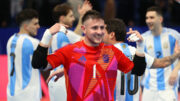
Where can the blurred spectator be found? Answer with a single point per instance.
(15, 7)
(131, 11)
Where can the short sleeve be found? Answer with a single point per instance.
(36, 43)
(176, 34)
(149, 61)
(73, 37)
(124, 64)
(59, 57)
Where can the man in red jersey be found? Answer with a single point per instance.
(90, 66)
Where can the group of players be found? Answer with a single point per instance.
(92, 67)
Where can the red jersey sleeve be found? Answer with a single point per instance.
(59, 57)
(124, 64)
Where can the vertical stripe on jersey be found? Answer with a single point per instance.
(40, 90)
(50, 50)
(172, 42)
(115, 93)
(148, 75)
(62, 40)
(13, 78)
(27, 51)
(126, 51)
(175, 89)
(159, 54)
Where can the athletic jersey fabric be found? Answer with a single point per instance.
(129, 51)
(90, 72)
(60, 40)
(57, 89)
(24, 81)
(160, 46)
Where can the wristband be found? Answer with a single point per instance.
(133, 37)
(140, 46)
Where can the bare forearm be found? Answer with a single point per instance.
(164, 62)
(140, 54)
(78, 27)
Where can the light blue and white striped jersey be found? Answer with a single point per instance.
(59, 40)
(24, 81)
(129, 51)
(160, 46)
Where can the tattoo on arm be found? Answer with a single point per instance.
(164, 62)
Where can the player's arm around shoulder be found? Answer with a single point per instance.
(39, 59)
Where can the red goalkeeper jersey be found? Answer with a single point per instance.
(90, 72)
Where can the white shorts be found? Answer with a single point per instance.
(57, 90)
(165, 95)
(25, 95)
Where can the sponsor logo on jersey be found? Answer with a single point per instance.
(82, 59)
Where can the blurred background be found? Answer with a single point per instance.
(131, 11)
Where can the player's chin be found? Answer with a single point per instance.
(98, 41)
(70, 25)
(33, 34)
(150, 27)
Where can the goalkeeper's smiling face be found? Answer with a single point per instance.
(94, 31)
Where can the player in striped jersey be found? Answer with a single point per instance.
(116, 34)
(24, 81)
(62, 13)
(159, 41)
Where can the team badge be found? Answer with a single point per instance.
(150, 47)
(106, 58)
(124, 46)
(165, 45)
